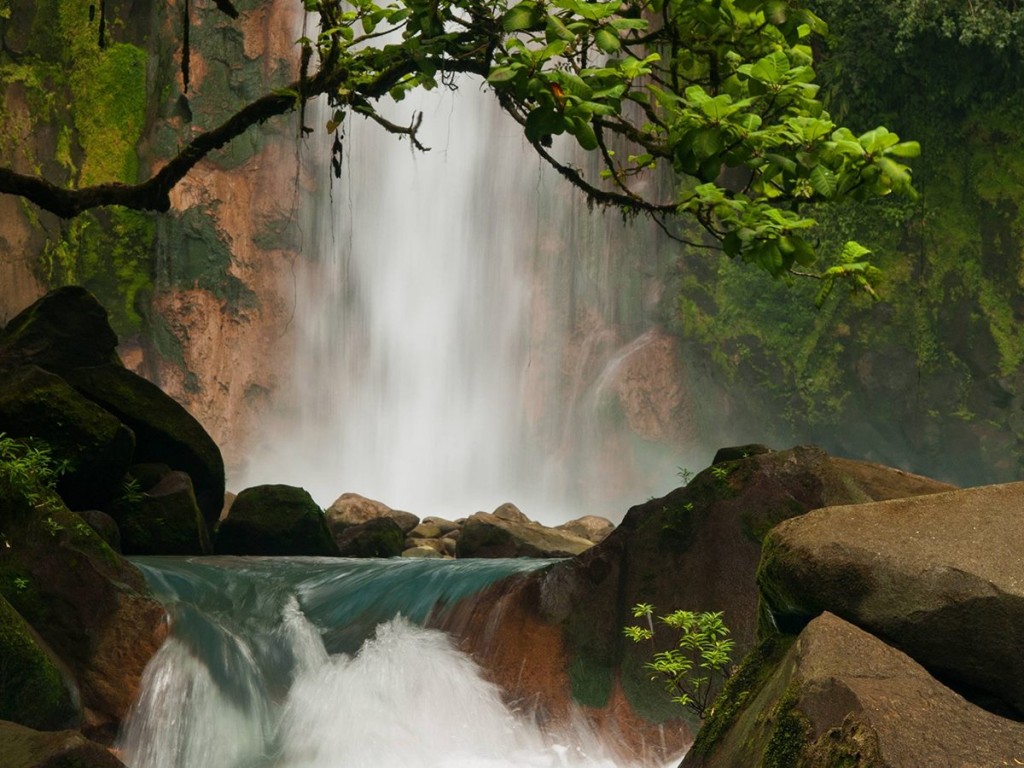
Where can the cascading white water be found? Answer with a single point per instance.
(246, 679)
(432, 369)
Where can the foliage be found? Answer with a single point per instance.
(27, 468)
(720, 93)
(702, 653)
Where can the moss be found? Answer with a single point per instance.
(109, 252)
(789, 733)
(591, 683)
(33, 691)
(740, 690)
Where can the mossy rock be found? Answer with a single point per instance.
(27, 748)
(164, 431)
(164, 520)
(34, 691)
(91, 606)
(380, 537)
(65, 329)
(275, 520)
(96, 447)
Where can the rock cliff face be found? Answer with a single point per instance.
(199, 296)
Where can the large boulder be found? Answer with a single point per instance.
(839, 696)
(26, 748)
(163, 520)
(275, 520)
(95, 448)
(351, 509)
(164, 431)
(35, 690)
(940, 577)
(593, 528)
(491, 535)
(696, 548)
(89, 605)
(65, 329)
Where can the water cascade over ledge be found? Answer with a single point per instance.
(456, 314)
(305, 663)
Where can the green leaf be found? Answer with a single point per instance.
(544, 121)
(771, 69)
(503, 74)
(823, 181)
(520, 17)
(607, 40)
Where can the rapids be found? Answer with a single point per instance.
(323, 663)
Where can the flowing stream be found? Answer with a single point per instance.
(458, 309)
(324, 663)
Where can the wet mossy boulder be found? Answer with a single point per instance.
(275, 520)
(65, 329)
(34, 690)
(379, 537)
(164, 431)
(839, 696)
(163, 520)
(94, 446)
(90, 606)
(27, 748)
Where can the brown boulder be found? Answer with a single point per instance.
(485, 535)
(590, 527)
(25, 748)
(352, 509)
(939, 577)
(839, 696)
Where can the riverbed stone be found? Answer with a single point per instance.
(351, 509)
(839, 696)
(378, 537)
(163, 520)
(940, 577)
(590, 527)
(485, 535)
(275, 520)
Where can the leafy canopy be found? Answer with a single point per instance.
(699, 111)
(717, 94)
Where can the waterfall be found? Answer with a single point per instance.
(456, 310)
(251, 677)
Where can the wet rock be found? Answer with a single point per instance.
(425, 530)
(422, 551)
(164, 520)
(35, 690)
(443, 525)
(840, 696)
(379, 537)
(27, 748)
(939, 577)
(104, 525)
(485, 535)
(275, 520)
(164, 431)
(406, 520)
(91, 607)
(65, 329)
(96, 448)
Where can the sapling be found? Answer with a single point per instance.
(701, 654)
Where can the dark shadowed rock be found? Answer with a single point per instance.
(485, 535)
(96, 447)
(275, 520)
(26, 748)
(737, 452)
(164, 520)
(91, 607)
(65, 329)
(35, 690)
(940, 577)
(164, 431)
(406, 520)
(379, 537)
(839, 696)
(104, 525)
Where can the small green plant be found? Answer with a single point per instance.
(52, 526)
(28, 468)
(719, 473)
(685, 475)
(20, 583)
(700, 657)
(131, 491)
